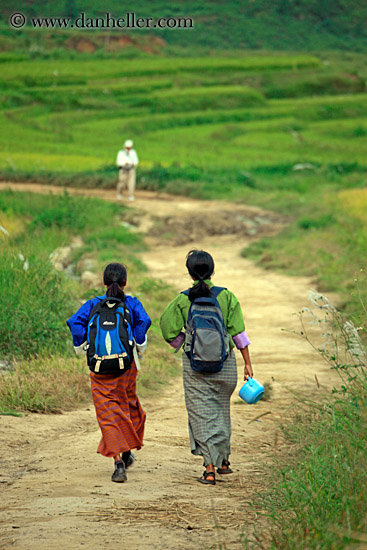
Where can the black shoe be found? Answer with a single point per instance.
(119, 475)
(128, 459)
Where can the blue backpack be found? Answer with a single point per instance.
(206, 337)
(110, 341)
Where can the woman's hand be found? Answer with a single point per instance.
(248, 368)
(248, 371)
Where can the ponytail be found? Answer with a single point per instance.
(200, 290)
(200, 265)
(114, 277)
(115, 291)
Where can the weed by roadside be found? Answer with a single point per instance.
(34, 302)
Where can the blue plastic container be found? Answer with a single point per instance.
(252, 391)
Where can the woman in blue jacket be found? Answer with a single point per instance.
(118, 409)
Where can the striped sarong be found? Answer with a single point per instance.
(207, 398)
(119, 412)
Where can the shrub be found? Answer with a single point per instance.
(316, 223)
(112, 235)
(360, 131)
(35, 304)
(307, 85)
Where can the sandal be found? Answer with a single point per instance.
(226, 469)
(204, 478)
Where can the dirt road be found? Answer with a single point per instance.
(56, 491)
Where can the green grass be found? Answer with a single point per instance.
(35, 304)
(323, 240)
(318, 495)
(279, 131)
(209, 112)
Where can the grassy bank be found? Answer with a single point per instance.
(38, 299)
(319, 482)
(326, 239)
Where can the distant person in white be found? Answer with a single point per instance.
(127, 160)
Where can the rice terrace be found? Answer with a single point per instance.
(251, 132)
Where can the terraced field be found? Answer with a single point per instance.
(229, 113)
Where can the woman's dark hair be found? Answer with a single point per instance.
(115, 276)
(200, 265)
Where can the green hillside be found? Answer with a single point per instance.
(266, 24)
(196, 115)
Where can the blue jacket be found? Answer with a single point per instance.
(139, 319)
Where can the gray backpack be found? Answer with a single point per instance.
(206, 336)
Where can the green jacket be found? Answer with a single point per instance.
(174, 317)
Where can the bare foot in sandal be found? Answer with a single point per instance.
(208, 476)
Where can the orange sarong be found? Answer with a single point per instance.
(119, 412)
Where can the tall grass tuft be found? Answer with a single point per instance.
(35, 302)
(44, 385)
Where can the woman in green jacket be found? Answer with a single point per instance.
(207, 396)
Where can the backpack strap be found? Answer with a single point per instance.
(118, 356)
(215, 291)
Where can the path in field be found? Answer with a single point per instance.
(56, 491)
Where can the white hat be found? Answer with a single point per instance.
(128, 143)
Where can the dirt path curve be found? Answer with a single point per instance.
(56, 492)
